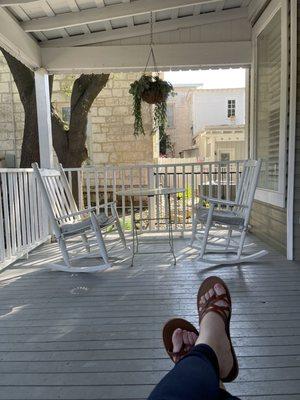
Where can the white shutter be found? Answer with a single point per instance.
(268, 92)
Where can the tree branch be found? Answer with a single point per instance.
(85, 90)
(23, 77)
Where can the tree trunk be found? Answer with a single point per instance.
(69, 144)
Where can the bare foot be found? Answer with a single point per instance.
(182, 338)
(213, 332)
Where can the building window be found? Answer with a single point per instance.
(170, 115)
(270, 98)
(230, 108)
(66, 114)
(225, 157)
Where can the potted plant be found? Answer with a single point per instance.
(152, 90)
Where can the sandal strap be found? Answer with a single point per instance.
(178, 354)
(220, 310)
(211, 306)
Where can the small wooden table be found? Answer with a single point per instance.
(167, 193)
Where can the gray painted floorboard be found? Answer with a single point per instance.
(98, 336)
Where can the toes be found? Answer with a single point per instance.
(219, 289)
(190, 338)
(177, 340)
(193, 338)
(185, 337)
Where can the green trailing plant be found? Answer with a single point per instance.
(152, 90)
(165, 144)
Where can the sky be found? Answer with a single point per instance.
(209, 79)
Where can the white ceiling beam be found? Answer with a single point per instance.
(18, 43)
(106, 13)
(158, 27)
(132, 58)
(4, 3)
(23, 16)
(130, 21)
(50, 13)
(74, 7)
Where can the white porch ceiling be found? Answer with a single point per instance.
(45, 24)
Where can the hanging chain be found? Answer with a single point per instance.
(151, 51)
(151, 29)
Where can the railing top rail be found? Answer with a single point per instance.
(85, 169)
(15, 170)
(122, 167)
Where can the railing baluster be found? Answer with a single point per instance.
(165, 178)
(219, 181)
(7, 221)
(12, 213)
(80, 188)
(123, 198)
(151, 205)
(228, 181)
(27, 209)
(96, 180)
(193, 189)
(210, 181)
(157, 200)
(186, 190)
(140, 198)
(2, 243)
(175, 197)
(105, 188)
(69, 175)
(16, 200)
(88, 189)
(114, 185)
(201, 181)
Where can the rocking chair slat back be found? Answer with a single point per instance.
(246, 188)
(57, 195)
(69, 222)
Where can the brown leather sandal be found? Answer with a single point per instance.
(223, 311)
(168, 331)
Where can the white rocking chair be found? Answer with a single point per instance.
(67, 222)
(231, 215)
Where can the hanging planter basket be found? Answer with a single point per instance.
(154, 94)
(152, 90)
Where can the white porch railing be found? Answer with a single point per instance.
(23, 225)
(94, 186)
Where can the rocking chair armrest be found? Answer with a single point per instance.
(229, 203)
(74, 214)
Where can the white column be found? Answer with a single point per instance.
(44, 117)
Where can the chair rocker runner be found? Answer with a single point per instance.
(68, 222)
(233, 216)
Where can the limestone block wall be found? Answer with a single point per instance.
(11, 114)
(110, 129)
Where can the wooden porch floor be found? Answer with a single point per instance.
(98, 336)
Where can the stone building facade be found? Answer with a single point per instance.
(200, 119)
(180, 120)
(110, 128)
